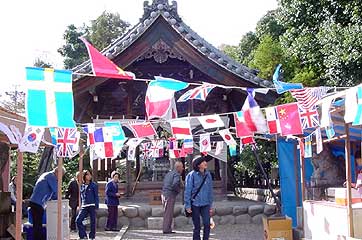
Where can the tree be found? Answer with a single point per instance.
(248, 43)
(269, 25)
(14, 101)
(41, 63)
(74, 50)
(106, 28)
(324, 36)
(101, 32)
(231, 51)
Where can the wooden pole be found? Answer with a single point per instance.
(81, 154)
(347, 150)
(19, 195)
(59, 202)
(302, 170)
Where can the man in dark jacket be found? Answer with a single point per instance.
(112, 201)
(73, 196)
(171, 187)
(46, 188)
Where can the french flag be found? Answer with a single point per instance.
(253, 115)
(159, 101)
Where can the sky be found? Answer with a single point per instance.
(34, 29)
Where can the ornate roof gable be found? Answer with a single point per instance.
(162, 8)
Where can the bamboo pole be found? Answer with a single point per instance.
(19, 195)
(59, 202)
(348, 177)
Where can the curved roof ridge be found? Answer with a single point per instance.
(169, 12)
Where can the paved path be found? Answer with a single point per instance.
(224, 232)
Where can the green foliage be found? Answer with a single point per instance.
(266, 56)
(269, 25)
(324, 35)
(106, 28)
(247, 44)
(101, 32)
(41, 63)
(247, 161)
(74, 50)
(231, 51)
(30, 170)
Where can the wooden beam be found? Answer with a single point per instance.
(302, 171)
(348, 177)
(19, 195)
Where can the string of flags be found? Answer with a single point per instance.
(49, 104)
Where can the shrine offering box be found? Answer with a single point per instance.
(340, 196)
(277, 228)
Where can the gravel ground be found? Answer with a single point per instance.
(222, 232)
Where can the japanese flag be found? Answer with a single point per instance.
(205, 145)
(211, 121)
(228, 138)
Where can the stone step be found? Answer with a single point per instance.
(156, 223)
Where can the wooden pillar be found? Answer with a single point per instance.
(302, 169)
(95, 170)
(347, 151)
(128, 177)
(103, 169)
(59, 202)
(296, 176)
(110, 168)
(224, 178)
(81, 154)
(19, 195)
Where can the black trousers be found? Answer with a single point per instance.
(37, 212)
(73, 217)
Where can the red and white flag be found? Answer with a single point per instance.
(173, 150)
(253, 115)
(181, 128)
(308, 97)
(289, 118)
(144, 129)
(272, 119)
(242, 128)
(246, 141)
(205, 144)
(228, 138)
(211, 121)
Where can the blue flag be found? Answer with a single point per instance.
(282, 87)
(49, 101)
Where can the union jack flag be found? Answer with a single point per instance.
(67, 141)
(309, 117)
(307, 98)
(198, 93)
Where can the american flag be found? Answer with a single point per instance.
(198, 93)
(67, 142)
(309, 117)
(308, 97)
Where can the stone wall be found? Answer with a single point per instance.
(256, 194)
(138, 216)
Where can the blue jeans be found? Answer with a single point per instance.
(204, 211)
(83, 213)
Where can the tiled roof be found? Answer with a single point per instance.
(162, 8)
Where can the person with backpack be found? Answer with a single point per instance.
(199, 197)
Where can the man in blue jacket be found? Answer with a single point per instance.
(112, 201)
(46, 188)
(199, 204)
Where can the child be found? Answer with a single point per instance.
(90, 202)
(112, 201)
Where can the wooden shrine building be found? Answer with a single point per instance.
(161, 44)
